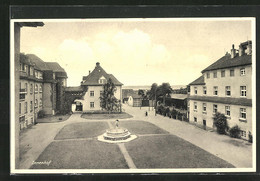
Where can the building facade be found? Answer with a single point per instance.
(91, 89)
(37, 91)
(225, 87)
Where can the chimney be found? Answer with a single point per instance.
(89, 72)
(97, 64)
(241, 50)
(233, 51)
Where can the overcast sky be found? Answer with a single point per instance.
(137, 52)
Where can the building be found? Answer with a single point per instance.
(225, 87)
(87, 96)
(41, 85)
(135, 100)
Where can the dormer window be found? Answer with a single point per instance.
(102, 80)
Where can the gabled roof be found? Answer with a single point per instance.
(228, 62)
(96, 74)
(198, 81)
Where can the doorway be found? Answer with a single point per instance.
(204, 124)
(79, 106)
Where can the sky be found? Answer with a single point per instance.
(136, 51)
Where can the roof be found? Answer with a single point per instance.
(74, 89)
(41, 65)
(135, 96)
(94, 76)
(179, 96)
(198, 81)
(224, 100)
(55, 67)
(227, 62)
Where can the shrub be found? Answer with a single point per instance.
(235, 132)
(41, 114)
(173, 113)
(220, 121)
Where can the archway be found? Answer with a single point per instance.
(78, 105)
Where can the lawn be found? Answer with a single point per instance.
(169, 151)
(141, 127)
(122, 115)
(82, 130)
(81, 154)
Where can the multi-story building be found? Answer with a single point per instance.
(226, 87)
(37, 89)
(87, 96)
(94, 83)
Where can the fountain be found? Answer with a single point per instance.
(116, 135)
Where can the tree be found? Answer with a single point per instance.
(220, 121)
(153, 92)
(107, 99)
(164, 90)
(141, 93)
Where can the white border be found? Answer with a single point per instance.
(175, 170)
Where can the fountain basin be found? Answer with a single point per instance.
(116, 134)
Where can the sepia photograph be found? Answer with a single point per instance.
(133, 95)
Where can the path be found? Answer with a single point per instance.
(235, 151)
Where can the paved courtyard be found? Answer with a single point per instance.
(161, 143)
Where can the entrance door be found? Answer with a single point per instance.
(204, 124)
(78, 106)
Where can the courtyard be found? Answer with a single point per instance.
(161, 143)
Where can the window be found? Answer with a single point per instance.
(195, 119)
(243, 91)
(40, 102)
(208, 75)
(227, 111)
(40, 75)
(40, 88)
(36, 88)
(36, 103)
(204, 107)
(91, 104)
(222, 73)
(31, 106)
(26, 87)
(31, 88)
(102, 81)
(243, 133)
(205, 90)
(243, 113)
(228, 91)
(195, 106)
(242, 71)
(21, 67)
(215, 88)
(215, 74)
(215, 108)
(101, 92)
(25, 68)
(92, 93)
(20, 108)
(25, 107)
(31, 71)
(53, 75)
(195, 90)
(232, 73)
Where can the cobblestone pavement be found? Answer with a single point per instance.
(235, 151)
